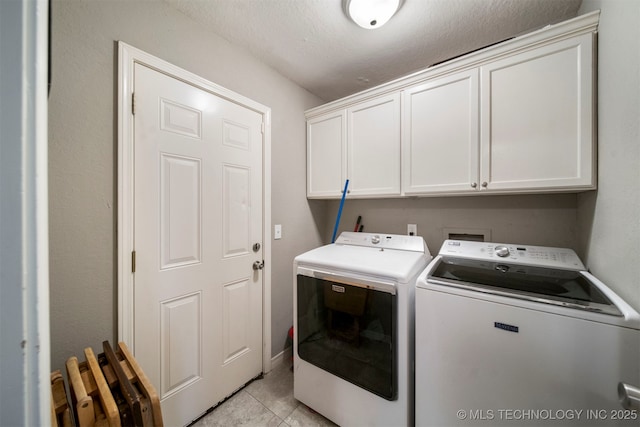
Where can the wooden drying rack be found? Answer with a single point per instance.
(108, 390)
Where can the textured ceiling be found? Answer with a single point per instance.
(314, 44)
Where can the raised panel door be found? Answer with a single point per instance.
(440, 138)
(198, 211)
(326, 155)
(537, 118)
(374, 147)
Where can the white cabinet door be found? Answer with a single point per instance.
(326, 155)
(374, 147)
(440, 135)
(537, 118)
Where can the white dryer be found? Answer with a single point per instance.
(520, 335)
(353, 328)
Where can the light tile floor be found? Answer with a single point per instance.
(267, 402)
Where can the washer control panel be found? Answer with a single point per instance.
(518, 254)
(502, 251)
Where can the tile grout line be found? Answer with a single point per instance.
(266, 407)
(247, 390)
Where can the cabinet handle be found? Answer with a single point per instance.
(474, 184)
(484, 184)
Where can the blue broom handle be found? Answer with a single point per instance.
(335, 229)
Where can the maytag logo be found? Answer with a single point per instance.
(506, 327)
(336, 288)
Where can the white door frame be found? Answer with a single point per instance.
(128, 56)
(25, 382)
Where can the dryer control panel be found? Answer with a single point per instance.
(542, 256)
(384, 241)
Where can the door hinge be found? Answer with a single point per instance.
(133, 103)
(133, 261)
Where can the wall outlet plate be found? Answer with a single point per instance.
(412, 229)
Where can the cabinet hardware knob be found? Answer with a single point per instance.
(474, 185)
(484, 184)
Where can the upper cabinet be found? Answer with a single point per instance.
(326, 154)
(519, 124)
(537, 118)
(373, 147)
(517, 117)
(360, 143)
(441, 136)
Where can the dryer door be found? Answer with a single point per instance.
(349, 330)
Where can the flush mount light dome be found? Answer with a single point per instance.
(371, 14)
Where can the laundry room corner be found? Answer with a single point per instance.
(608, 220)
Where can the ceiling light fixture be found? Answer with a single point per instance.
(371, 14)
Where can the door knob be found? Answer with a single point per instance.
(629, 396)
(258, 265)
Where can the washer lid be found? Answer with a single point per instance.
(567, 288)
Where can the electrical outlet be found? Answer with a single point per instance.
(412, 229)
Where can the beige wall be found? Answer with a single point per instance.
(609, 221)
(548, 220)
(83, 157)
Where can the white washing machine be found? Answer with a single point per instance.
(521, 335)
(353, 328)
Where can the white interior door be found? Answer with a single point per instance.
(198, 214)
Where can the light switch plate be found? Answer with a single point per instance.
(277, 232)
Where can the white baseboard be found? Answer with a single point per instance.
(279, 358)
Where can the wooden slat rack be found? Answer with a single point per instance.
(60, 410)
(107, 390)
